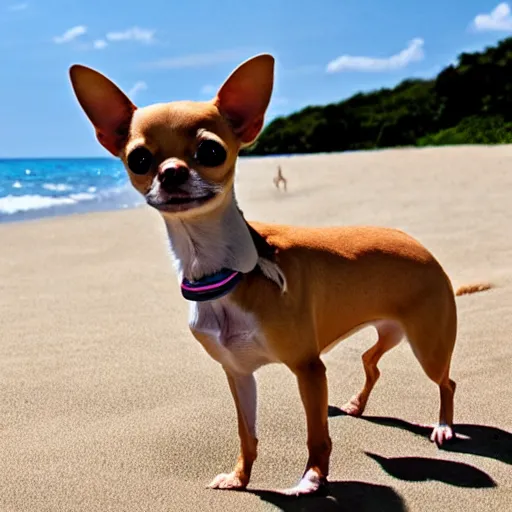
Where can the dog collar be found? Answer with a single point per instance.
(213, 286)
(221, 283)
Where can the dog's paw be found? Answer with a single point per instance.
(442, 434)
(353, 407)
(310, 483)
(227, 481)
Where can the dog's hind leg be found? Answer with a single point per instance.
(444, 430)
(390, 334)
(432, 339)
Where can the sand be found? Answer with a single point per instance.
(108, 403)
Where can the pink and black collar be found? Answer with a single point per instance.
(211, 287)
(215, 286)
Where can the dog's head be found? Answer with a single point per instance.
(180, 156)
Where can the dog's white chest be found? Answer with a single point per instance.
(233, 337)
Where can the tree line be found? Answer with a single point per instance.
(467, 103)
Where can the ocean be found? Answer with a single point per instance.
(34, 188)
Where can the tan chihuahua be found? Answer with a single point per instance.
(263, 293)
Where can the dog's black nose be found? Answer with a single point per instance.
(172, 177)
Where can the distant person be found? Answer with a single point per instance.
(279, 178)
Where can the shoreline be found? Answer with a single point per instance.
(24, 218)
(134, 200)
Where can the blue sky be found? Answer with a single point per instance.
(163, 50)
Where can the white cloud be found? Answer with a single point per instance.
(198, 60)
(137, 87)
(414, 52)
(71, 34)
(141, 35)
(99, 44)
(17, 7)
(499, 19)
(208, 90)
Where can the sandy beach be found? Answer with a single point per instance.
(108, 403)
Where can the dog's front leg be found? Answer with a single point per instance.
(312, 383)
(243, 389)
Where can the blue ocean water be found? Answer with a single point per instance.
(33, 188)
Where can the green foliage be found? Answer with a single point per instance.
(472, 130)
(470, 103)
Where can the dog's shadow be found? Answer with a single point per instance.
(481, 440)
(344, 496)
(423, 469)
(361, 496)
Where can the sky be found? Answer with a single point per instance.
(165, 50)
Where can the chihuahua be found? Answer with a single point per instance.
(264, 293)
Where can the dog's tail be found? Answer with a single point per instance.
(468, 289)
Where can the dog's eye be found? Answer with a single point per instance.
(210, 153)
(140, 160)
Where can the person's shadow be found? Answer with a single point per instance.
(344, 496)
(491, 442)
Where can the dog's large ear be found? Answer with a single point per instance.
(106, 106)
(245, 95)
